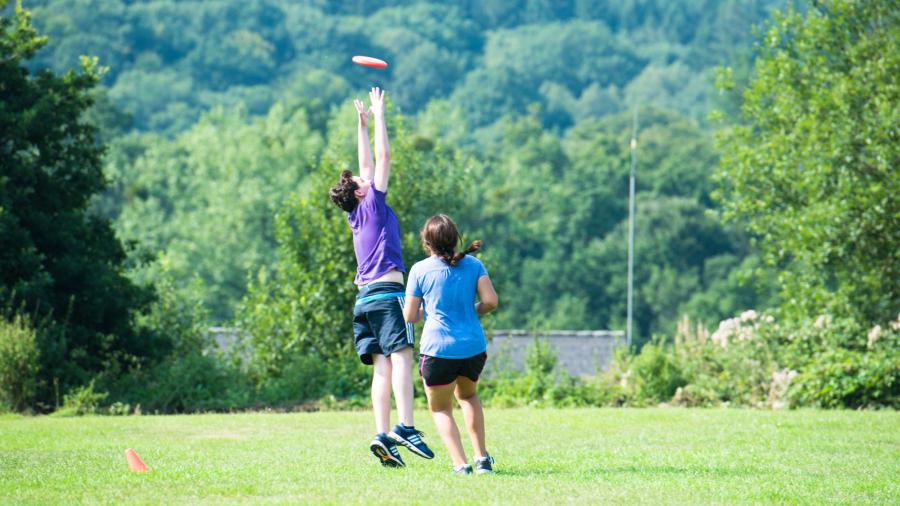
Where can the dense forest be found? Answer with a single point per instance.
(207, 134)
(218, 112)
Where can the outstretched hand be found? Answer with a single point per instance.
(376, 97)
(362, 113)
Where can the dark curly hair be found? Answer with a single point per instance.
(440, 236)
(343, 194)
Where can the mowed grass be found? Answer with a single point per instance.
(544, 456)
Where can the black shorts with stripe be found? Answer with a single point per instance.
(378, 324)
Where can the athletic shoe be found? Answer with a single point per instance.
(412, 440)
(463, 469)
(386, 451)
(485, 465)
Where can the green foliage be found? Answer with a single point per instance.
(196, 375)
(554, 213)
(19, 364)
(62, 261)
(206, 200)
(813, 169)
(755, 361)
(172, 61)
(655, 373)
(549, 202)
(119, 409)
(81, 401)
(749, 361)
(843, 378)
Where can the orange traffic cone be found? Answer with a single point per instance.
(134, 462)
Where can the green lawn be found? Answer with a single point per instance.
(543, 457)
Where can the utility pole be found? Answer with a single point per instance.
(631, 229)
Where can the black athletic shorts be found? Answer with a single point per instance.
(438, 371)
(378, 324)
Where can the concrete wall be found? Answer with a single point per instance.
(579, 352)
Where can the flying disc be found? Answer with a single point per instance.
(368, 61)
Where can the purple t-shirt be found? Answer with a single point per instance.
(376, 238)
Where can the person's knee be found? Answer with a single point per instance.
(466, 389)
(382, 367)
(466, 396)
(440, 406)
(438, 402)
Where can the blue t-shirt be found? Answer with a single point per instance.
(452, 328)
(376, 238)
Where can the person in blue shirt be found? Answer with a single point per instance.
(442, 288)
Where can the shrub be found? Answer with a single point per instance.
(843, 378)
(194, 382)
(656, 374)
(19, 362)
(82, 400)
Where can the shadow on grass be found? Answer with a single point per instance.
(712, 472)
(716, 472)
(527, 473)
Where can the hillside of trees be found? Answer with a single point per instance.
(201, 137)
(219, 113)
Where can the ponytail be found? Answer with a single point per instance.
(454, 260)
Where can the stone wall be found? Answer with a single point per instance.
(579, 352)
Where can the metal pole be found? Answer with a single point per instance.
(631, 228)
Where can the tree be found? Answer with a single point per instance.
(813, 170)
(206, 200)
(57, 257)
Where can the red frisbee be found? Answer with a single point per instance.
(368, 61)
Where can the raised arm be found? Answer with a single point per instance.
(487, 296)
(366, 166)
(382, 147)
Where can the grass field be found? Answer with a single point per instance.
(543, 457)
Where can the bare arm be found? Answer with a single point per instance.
(382, 146)
(412, 311)
(366, 166)
(486, 295)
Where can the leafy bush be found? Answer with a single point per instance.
(755, 361)
(119, 409)
(655, 373)
(18, 362)
(750, 360)
(81, 401)
(843, 378)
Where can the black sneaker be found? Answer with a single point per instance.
(484, 465)
(411, 439)
(386, 451)
(463, 469)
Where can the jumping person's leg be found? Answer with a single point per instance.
(473, 413)
(405, 433)
(396, 340)
(381, 392)
(440, 402)
(401, 377)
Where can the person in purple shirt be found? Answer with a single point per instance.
(381, 335)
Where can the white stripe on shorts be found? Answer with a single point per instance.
(409, 327)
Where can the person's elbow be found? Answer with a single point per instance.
(411, 315)
(384, 158)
